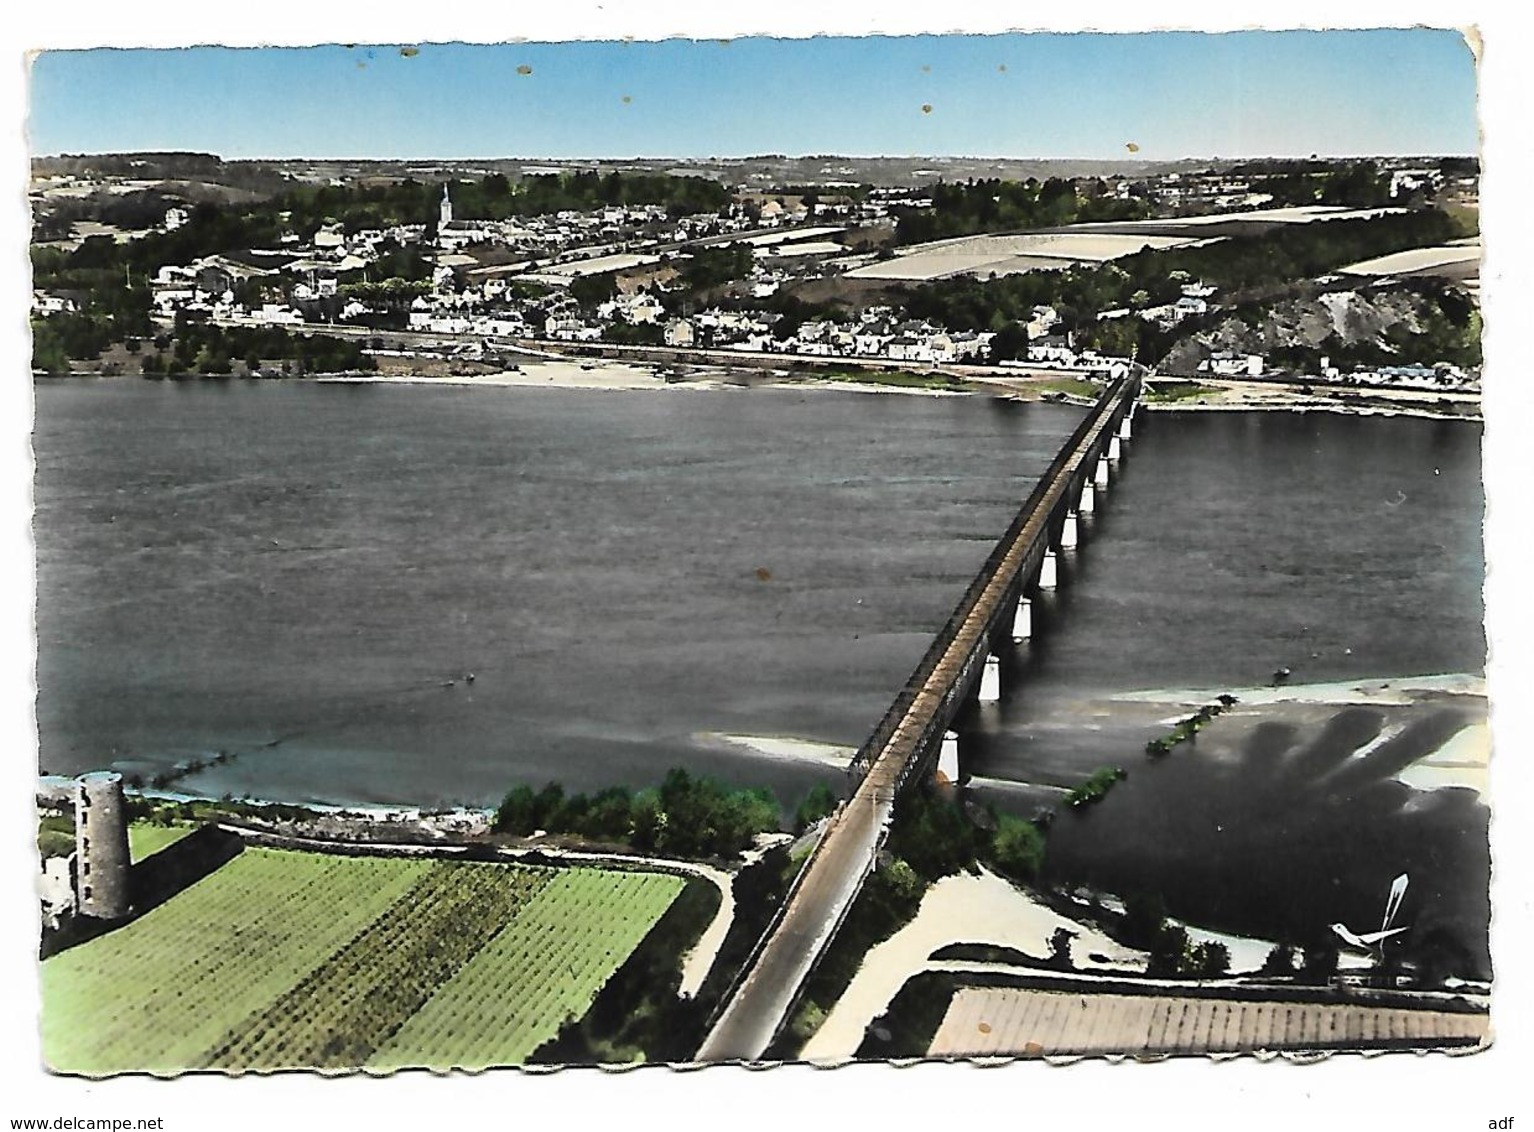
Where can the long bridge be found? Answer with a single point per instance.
(961, 663)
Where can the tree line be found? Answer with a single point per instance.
(208, 349)
(969, 207)
(495, 197)
(686, 816)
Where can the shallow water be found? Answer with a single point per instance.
(1232, 545)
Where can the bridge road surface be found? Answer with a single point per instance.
(847, 851)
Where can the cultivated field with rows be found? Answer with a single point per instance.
(283, 959)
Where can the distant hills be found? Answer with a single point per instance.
(765, 170)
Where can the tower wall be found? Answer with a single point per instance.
(101, 846)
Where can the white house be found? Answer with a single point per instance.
(1233, 365)
(1054, 348)
(44, 304)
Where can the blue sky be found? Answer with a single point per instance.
(1047, 95)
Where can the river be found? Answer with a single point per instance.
(305, 576)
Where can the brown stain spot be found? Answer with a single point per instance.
(1132, 147)
(926, 69)
(361, 66)
(984, 1027)
(763, 574)
(409, 52)
(1033, 1049)
(627, 100)
(926, 108)
(524, 69)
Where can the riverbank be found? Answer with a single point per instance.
(1204, 395)
(1224, 395)
(1461, 760)
(613, 376)
(979, 908)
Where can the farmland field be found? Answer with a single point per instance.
(56, 837)
(563, 945)
(144, 839)
(1005, 255)
(1452, 260)
(283, 960)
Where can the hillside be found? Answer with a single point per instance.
(1404, 325)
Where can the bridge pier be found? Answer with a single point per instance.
(914, 732)
(948, 758)
(1126, 426)
(1070, 534)
(1115, 449)
(1022, 622)
(990, 680)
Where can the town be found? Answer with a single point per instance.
(183, 264)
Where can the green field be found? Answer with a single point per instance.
(1075, 386)
(285, 960)
(563, 946)
(1179, 391)
(902, 378)
(145, 840)
(56, 837)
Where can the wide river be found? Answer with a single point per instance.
(304, 576)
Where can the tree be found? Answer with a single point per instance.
(818, 803)
(1017, 847)
(1319, 963)
(1144, 916)
(1009, 343)
(1060, 948)
(593, 290)
(1169, 953)
(1209, 960)
(1279, 962)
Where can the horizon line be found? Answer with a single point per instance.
(765, 157)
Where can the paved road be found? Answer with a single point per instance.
(847, 851)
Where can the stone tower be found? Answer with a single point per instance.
(445, 211)
(101, 846)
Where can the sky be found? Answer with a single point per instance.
(1171, 94)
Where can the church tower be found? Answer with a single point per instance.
(445, 214)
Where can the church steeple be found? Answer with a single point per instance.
(445, 215)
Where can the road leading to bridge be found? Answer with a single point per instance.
(846, 853)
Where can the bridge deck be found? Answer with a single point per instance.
(845, 856)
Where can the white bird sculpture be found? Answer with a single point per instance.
(1368, 940)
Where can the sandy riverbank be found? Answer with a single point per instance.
(1463, 760)
(809, 381)
(1393, 691)
(781, 747)
(1247, 396)
(614, 376)
(625, 376)
(965, 908)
